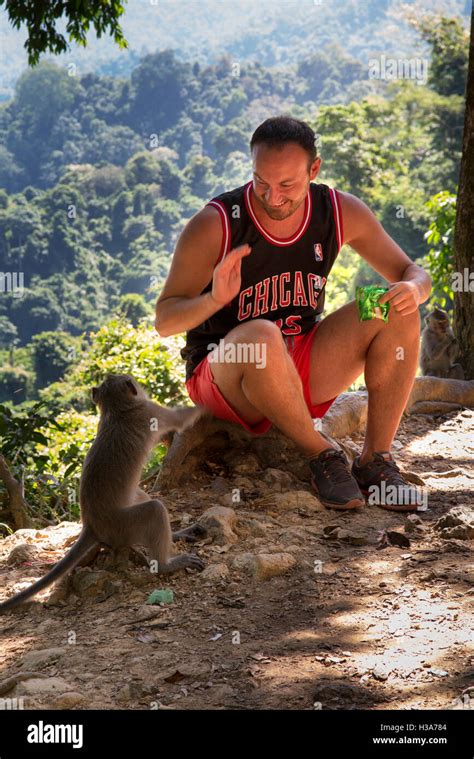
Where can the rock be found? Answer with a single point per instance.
(414, 524)
(219, 485)
(458, 523)
(439, 394)
(147, 612)
(219, 522)
(272, 450)
(23, 552)
(262, 566)
(246, 462)
(434, 407)
(334, 532)
(37, 659)
(232, 498)
(288, 537)
(69, 700)
(90, 583)
(215, 572)
(381, 672)
(257, 529)
(291, 500)
(243, 483)
(278, 479)
(39, 687)
(243, 562)
(397, 539)
(219, 693)
(60, 593)
(130, 691)
(348, 414)
(60, 535)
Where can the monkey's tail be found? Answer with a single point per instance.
(84, 543)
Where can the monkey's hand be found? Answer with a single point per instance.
(453, 349)
(442, 349)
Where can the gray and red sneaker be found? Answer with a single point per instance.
(332, 481)
(381, 481)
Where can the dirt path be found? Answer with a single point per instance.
(367, 627)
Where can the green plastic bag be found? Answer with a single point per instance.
(160, 597)
(367, 299)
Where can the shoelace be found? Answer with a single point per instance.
(338, 467)
(396, 473)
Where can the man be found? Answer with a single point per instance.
(250, 270)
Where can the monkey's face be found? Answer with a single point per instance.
(117, 389)
(438, 324)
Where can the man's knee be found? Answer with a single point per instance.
(257, 331)
(405, 322)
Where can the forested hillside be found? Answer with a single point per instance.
(100, 173)
(273, 33)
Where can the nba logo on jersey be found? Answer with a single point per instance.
(318, 251)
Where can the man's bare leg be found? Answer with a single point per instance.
(275, 391)
(389, 354)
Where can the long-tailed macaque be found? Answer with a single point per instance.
(439, 347)
(115, 512)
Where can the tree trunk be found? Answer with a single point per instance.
(464, 230)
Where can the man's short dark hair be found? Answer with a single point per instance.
(280, 130)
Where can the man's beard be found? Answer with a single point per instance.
(287, 209)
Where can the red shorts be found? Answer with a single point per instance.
(203, 391)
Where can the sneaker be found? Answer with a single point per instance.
(332, 481)
(382, 482)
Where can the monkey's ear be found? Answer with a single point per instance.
(94, 394)
(132, 387)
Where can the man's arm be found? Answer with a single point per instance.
(409, 285)
(181, 306)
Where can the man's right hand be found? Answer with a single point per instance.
(227, 280)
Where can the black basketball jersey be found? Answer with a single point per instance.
(283, 280)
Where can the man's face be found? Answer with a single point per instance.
(281, 177)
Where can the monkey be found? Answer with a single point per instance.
(439, 347)
(115, 511)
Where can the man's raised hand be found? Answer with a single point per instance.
(227, 279)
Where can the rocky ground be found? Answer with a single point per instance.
(299, 607)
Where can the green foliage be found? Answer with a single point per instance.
(14, 383)
(387, 152)
(449, 44)
(8, 332)
(442, 208)
(53, 353)
(24, 443)
(118, 348)
(133, 308)
(328, 71)
(41, 20)
(341, 288)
